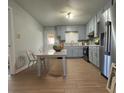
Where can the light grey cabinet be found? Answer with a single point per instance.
(97, 55)
(80, 52)
(87, 31)
(91, 54)
(92, 26)
(74, 51)
(63, 29)
(60, 30)
(82, 35)
(69, 51)
(94, 55)
(82, 32)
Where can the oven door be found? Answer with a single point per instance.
(85, 53)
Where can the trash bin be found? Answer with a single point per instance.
(55, 67)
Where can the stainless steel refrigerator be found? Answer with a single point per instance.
(107, 29)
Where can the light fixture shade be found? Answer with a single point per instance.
(69, 15)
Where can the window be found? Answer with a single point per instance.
(71, 37)
(51, 39)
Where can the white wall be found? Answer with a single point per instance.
(28, 33)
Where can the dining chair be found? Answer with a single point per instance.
(31, 58)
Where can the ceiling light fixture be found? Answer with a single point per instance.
(69, 15)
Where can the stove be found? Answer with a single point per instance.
(86, 53)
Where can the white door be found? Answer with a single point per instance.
(11, 48)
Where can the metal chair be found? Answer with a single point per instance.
(31, 58)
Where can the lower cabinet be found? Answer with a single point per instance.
(74, 51)
(97, 54)
(90, 54)
(94, 55)
(69, 52)
(80, 52)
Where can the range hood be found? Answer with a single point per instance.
(91, 34)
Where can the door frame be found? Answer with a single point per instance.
(11, 49)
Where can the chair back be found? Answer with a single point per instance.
(29, 55)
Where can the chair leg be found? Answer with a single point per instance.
(29, 64)
(44, 65)
(33, 64)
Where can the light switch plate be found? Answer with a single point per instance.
(18, 36)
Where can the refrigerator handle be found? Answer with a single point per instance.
(109, 38)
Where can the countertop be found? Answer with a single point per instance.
(80, 46)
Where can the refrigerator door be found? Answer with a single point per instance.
(106, 65)
(107, 57)
(101, 57)
(107, 38)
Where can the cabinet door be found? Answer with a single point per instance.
(80, 52)
(60, 30)
(94, 55)
(97, 58)
(75, 52)
(87, 31)
(95, 27)
(63, 29)
(90, 54)
(69, 51)
(80, 34)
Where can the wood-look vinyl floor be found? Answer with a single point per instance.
(82, 78)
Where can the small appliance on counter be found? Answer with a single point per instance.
(91, 34)
(85, 42)
(96, 41)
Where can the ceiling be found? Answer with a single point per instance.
(52, 12)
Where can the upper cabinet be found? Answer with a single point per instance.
(82, 32)
(92, 27)
(80, 29)
(60, 30)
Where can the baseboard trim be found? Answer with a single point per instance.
(104, 76)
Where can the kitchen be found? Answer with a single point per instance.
(89, 39)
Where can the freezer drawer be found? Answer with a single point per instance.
(106, 65)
